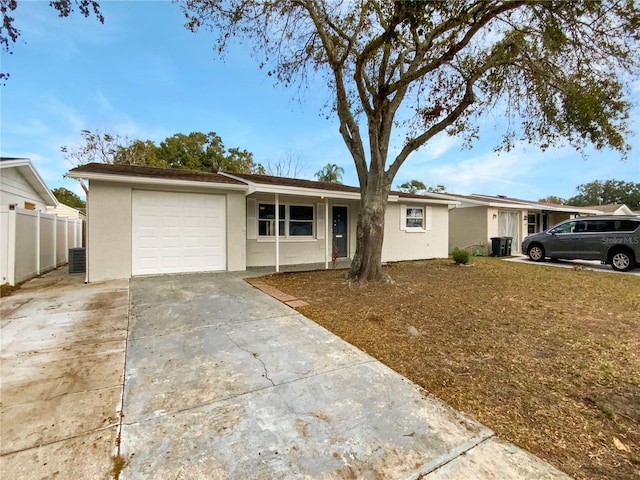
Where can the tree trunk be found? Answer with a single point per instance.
(367, 261)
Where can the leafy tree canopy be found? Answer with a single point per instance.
(9, 34)
(330, 173)
(412, 186)
(69, 198)
(607, 192)
(554, 199)
(403, 71)
(416, 186)
(194, 151)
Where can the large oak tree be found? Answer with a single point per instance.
(403, 71)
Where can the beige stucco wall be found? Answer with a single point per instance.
(108, 231)
(468, 227)
(109, 227)
(415, 245)
(398, 244)
(236, 232)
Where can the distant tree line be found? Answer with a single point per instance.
(193, 151)
(599, 192)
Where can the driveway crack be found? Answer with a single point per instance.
(256, 356)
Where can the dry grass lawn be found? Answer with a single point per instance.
(549, 358)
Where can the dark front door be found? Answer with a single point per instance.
(340, 227)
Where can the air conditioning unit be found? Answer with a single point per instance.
(77, 260)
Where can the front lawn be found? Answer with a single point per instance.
(549, 358)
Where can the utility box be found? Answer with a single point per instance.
(77, 260)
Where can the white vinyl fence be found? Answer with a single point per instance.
(33, 242)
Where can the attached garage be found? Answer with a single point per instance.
(177, 232)
(149, 221)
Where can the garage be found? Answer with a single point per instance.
(175, 232)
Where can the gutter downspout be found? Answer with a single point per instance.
(86, 256)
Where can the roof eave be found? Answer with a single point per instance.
(33, 178)
(106, 177)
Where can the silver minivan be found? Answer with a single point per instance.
(612, 239)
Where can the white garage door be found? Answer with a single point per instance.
(177, 232)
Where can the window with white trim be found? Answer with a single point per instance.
(415, 217)
(294, 220)
(267, 220)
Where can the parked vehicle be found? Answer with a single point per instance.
(612, 239)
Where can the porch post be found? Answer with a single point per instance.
(326, 233)
(277, 233)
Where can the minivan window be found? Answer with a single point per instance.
(626, 225)
(564, 228)
(599, 226)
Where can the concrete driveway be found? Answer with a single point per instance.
(62, 360)
(593, 265)
(221, 382)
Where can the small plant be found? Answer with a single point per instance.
(335, 254)
(460, 256)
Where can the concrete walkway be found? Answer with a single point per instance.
(62, 360)
(225, 382)
(221, 382)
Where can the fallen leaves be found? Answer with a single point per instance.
(546, 357)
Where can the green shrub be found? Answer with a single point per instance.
(460, 256)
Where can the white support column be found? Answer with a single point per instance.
(277, 233)
(327, 234)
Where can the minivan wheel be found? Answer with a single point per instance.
(621, 261)
(536, 253)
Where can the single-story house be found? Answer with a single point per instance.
(22, 186)
(478, 218)
(145, 220)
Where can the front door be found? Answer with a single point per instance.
(340, 228)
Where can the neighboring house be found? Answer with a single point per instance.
(144, 220)
(32, 241)
(63, 210)
(478, 218)
(21, 186)
(613, 209)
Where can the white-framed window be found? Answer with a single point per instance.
(267, 220)
(294, 220)
(415, 217)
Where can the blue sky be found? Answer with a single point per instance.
(143, 75)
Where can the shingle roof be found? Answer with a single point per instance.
(231, 178)
(295, 182)
(606, 208)
(154, 172)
